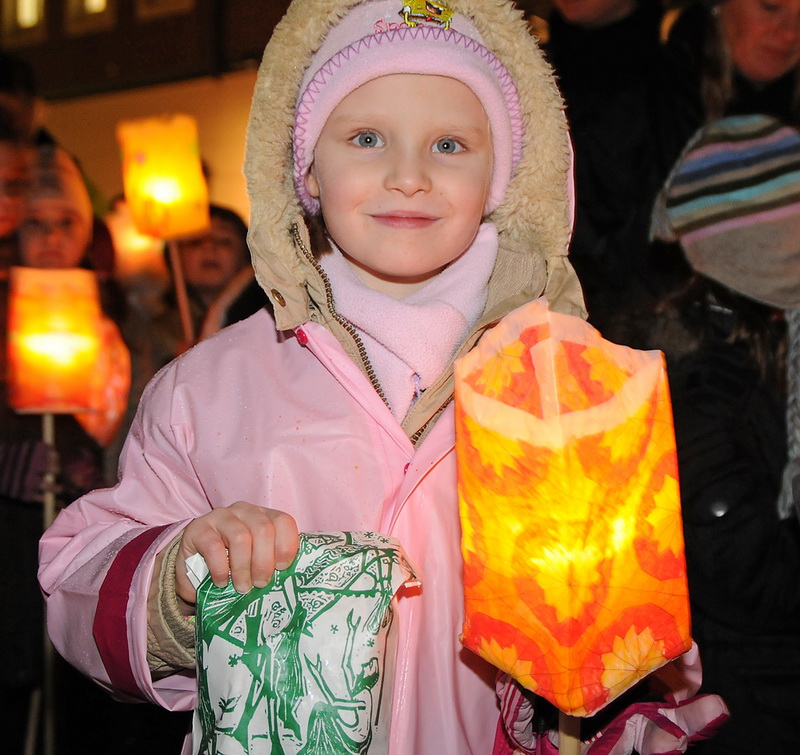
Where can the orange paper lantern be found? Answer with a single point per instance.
(54, 327)
(163, 177)
(137, 254)
(575, 577)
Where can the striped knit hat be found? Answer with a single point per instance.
(382, 37)
(733, 202)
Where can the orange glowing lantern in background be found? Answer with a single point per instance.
(163, 178)
(54, 339)
(575, 578)
(57, 337)
(165, 188)
(137, 254)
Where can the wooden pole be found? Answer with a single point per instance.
(48, 670)
(569, 734)
(180, 292)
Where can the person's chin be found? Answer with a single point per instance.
(52, 261)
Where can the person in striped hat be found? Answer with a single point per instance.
(732, 203)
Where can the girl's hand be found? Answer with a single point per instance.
(244, 541)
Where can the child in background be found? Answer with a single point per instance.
(423, 196)
(216, 269)
(728, 335)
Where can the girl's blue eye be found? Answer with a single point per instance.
(447, 146)
(367, 139)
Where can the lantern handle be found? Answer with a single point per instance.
(569, 734)
(180, 292)
(48, 696)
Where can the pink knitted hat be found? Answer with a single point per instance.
(381, 37)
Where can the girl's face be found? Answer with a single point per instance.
(763, 36)
(402, 170)
(53, 235)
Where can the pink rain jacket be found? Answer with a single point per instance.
(284, 412)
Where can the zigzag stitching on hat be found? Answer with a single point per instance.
(504, 79)
(426, 33)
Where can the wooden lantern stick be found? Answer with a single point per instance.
(569, 734)
(48, 698)
(180, 292)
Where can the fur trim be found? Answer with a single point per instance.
(536, 212)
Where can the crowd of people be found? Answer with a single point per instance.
(634, 161)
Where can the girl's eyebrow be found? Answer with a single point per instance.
(368, 120)
(357, 119)
(459, 129)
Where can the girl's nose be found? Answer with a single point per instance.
(53, 233)
(408, 173)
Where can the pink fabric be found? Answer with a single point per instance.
(664, 727)
(410, 341)
(110, 621)
(372, 41)
(299, 428)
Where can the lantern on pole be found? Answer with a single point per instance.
(137, 254)
(165, 188)
(54, 326)
(163, 178)
(575, 578)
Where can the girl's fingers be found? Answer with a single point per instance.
(287, 539)
(274, 543)
(243, 541)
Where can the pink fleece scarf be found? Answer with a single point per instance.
(410, 341)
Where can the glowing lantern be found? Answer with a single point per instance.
(575, 579)
(54, 327)
(137, 254)
(163, 177)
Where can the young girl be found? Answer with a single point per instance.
(409, 177)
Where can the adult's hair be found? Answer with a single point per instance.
(231, 217)
(701, 304)
(16, 77)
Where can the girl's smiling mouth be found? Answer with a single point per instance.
(405, 219)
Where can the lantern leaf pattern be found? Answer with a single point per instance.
(574, 570)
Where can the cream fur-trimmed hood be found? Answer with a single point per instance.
(533, 221)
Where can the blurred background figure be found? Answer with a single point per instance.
(57, 228)
(631, 107)
(220, 284)
(18, 96)
(55, 215)
(745, 55)
(14, 167)
(733, 204)
(19, 100)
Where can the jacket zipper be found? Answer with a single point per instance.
(346, 324)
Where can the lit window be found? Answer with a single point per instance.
(22, 23)
(94, 6)
(29, 13)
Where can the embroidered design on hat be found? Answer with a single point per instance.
(429, 11)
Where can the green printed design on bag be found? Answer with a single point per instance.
(297, 666)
